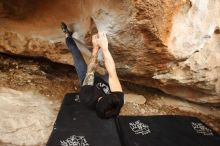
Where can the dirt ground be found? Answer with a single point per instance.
(55, 80)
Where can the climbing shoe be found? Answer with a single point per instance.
(65, 29)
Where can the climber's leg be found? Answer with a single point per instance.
(79, 61)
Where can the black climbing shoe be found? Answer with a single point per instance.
(65, 29)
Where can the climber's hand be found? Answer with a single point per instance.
(102, 40)
(95, 43)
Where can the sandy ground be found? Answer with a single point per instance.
(54, 80)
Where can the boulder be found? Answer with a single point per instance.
(171, 45)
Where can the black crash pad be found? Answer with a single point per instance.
(166, 131)
(76, 125)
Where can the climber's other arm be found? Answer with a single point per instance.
(89, 79)
(87, 91)
(109, 63)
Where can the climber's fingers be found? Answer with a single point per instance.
(102, 35)
(98, 37)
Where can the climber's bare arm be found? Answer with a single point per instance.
(109, 64)
(110, 67)
(89, 79)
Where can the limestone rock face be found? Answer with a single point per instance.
(171, 45)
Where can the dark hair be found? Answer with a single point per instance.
(109, 106)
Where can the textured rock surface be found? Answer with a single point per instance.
(133, 98)
(172, 45)
(26, 117)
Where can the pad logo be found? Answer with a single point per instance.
(202, 129)
(139, 128)
(77, 99)
(74, 141)
(104, 87)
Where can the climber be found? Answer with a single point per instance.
(102, 93)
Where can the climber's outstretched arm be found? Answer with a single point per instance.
(89, 79)
(109, 64)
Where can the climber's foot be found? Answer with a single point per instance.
(65, 29)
